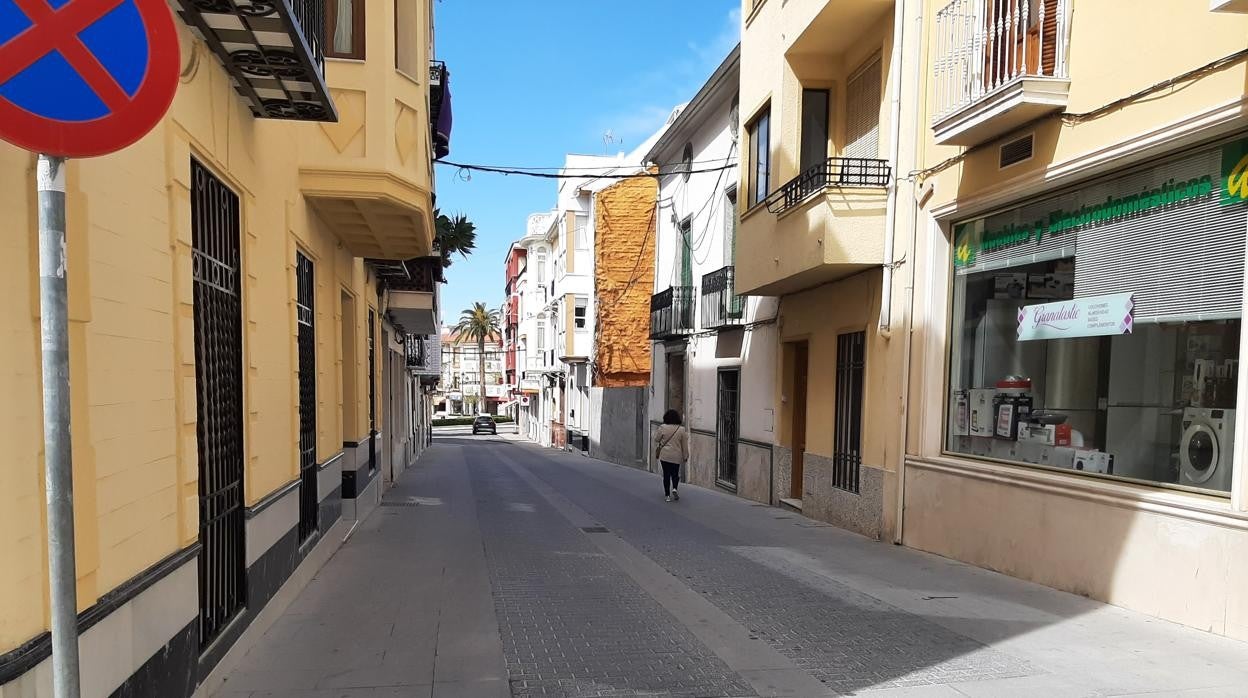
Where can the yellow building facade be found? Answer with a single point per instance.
(237, 336)
(1074, 410)
(1017, 258)
(821, 140)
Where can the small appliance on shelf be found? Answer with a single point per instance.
(1011, 405)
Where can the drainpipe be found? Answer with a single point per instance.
(908, 336)
(894, 148)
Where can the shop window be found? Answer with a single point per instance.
(1098, 331)
(344, 22)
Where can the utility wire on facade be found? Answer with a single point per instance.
(555, 175)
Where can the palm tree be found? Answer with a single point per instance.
(454, 234)
(479, 323)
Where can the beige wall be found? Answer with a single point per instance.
(132, 328)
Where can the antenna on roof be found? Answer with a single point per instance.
(607, 139)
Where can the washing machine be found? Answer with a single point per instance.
(1207, 448)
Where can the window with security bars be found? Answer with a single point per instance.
(216, 268)
(306, 340)
(847, 436)
(728, 410)
(372, 390)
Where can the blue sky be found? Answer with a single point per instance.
(532, 81)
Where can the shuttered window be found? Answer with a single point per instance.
(1182, 262)
(862, 112)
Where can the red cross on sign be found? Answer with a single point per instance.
(80, 78)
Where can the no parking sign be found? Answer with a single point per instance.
(80, 78)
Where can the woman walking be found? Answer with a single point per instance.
(672, 451)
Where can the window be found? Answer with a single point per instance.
(731, 218)
(814, 128)
(344, 22)
(541, 334)
(579, 312)
(734, 118)
(760, 157)
(728, 423)
(862, 112)
(541, 268)
(686, 252)
(1097, 330)
(406, 30)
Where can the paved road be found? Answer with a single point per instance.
(529, 572)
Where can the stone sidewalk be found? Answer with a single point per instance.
(497, 568)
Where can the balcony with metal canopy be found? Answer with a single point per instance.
(273, 51)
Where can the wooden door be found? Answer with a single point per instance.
(798, 426)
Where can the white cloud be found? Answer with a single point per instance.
(668, 86)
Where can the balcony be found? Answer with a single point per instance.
(274, 51)
(423, 354)
(412, 287)
(671, 313)
(834, 172)
(721, 306)
(823, 225)
(999, 64)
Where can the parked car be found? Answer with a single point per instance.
(484, 422)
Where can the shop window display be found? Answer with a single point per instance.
(1099, 330)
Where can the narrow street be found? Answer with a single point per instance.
(498, 568)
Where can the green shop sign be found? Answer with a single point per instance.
(1233, 184)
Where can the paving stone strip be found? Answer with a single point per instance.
(572, 623)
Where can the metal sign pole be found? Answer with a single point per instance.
(57, 453)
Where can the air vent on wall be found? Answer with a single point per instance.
(1016, 151)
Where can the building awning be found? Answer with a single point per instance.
(507, 404)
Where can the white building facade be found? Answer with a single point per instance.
(710, 346)
(460, 390)
(534, 364)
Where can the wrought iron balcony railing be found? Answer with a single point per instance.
(274, 50)
(985, 45)
(833, 172)
(423, 354)
(417, 274)
(671, 312)
(721, 306)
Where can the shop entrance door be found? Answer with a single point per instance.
(797, 425)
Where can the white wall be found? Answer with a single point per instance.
(753, 348)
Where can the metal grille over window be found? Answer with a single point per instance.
(219, 400)
(372, 390)
(847, 439)
(728, 411)
(309, 502)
